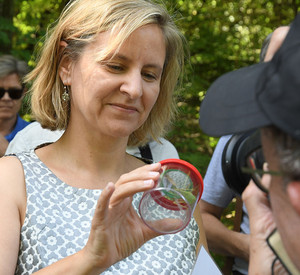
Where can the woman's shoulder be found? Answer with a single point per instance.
(10, 166)
(12, 182)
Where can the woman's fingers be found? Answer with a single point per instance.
(146, 172)
(103, 203)
(129, 189)
(120, 193)
(139, 180)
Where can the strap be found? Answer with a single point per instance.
(227, 268)
(238, 214)
(146, 152)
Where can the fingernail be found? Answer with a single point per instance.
(109, 185)
(148, 182)
(156, 164)
(153, 174)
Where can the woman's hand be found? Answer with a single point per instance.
(117, 230)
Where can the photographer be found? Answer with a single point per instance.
(217, 195)
(266, 96)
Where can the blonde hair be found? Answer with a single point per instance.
(78, 25)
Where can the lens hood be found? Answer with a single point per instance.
(234, 157)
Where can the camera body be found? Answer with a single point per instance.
(234, 157)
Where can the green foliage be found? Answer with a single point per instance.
(27, 25)
(223, 36)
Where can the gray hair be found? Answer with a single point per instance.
(264, 47)
(288, 151)
(10, 65)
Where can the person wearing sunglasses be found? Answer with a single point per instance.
(266, 97)
(12, 72)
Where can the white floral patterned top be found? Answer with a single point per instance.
(58, 220)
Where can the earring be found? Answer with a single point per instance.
(65, 95)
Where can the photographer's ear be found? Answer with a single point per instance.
(293, 191)
(276, 41)
(65, 65)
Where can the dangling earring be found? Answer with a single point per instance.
(65, 95)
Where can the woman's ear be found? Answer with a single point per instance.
(65, 66)
(293, 191)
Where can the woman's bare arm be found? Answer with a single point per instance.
(12, 212)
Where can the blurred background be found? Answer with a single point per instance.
(222, 35)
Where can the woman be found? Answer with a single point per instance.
(106, 75)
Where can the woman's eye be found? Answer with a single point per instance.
(115, 67)
(150, 76)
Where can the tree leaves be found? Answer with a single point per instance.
(223, 35)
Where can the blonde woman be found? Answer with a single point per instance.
(106, 74)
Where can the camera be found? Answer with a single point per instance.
(234, 157)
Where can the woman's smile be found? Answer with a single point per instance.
(124, 108)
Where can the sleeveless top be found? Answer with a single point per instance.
(58, 220)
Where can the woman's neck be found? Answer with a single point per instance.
(85, 164)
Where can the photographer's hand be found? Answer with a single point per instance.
(261, 226)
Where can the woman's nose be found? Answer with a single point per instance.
(133, 85)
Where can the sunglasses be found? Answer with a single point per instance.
(14, 93)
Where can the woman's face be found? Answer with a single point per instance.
(114, 97)
(9, 107)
